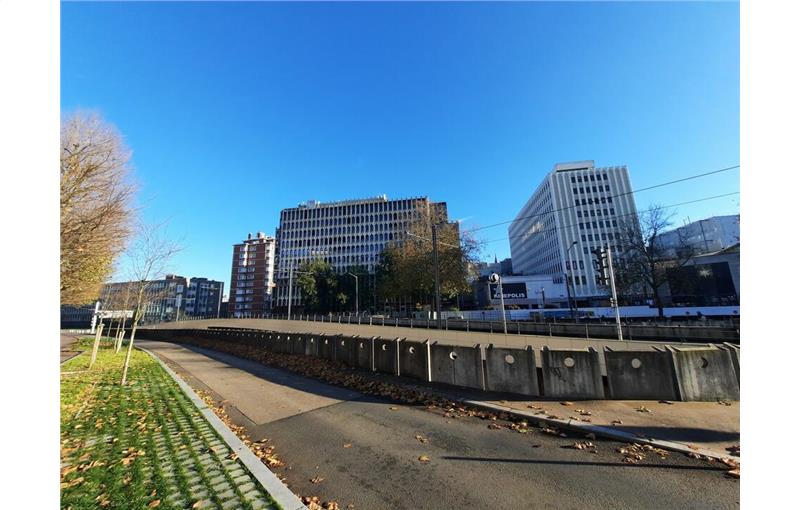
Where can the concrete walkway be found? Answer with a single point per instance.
(67, 342)
(366, 449)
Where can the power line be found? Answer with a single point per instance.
(618, 216)
(683, 179)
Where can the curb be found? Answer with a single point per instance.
(599, 431)
(279, 492)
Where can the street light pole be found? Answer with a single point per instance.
(356, 277)
(436, 278)
(291, 273)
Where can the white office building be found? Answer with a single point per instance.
(345, 234)
(703, 236)
(578, 207)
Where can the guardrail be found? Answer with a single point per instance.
(689, 374)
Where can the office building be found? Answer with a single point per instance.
(346, 234)
(576, 208)
(252, 276)
(703, 236)
(203, 298)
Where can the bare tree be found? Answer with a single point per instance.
(96, 204)
(149, 258)
(644, 260)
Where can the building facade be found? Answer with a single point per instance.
(703, 236)
(578, 207)
(346, 234)
(168, 299)
(252, 276)
(203, 298)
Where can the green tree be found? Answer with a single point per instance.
(319, 285)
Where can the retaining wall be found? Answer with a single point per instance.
(387, 355)
(414, 359)
(705, 374)
(511, 370)
(572, 373)
(637, 375)
(456, 365)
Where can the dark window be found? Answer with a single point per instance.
(586, 250)
(579, 214)
(594, 188)
(612, 211)
(605, 178)
(573, 179)
(583, 201)
(574, 191)
(583, 237)
(608, 188)
(591, 177)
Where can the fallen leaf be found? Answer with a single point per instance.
(643, 409)
(393, 408)
(347, 445)
(154, 503)
(566, 403)
(421, 439)
(424, 458)
(316, 479)
(198, 504)
(665, 402)
(616, 422)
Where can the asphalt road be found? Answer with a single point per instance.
(471, 465)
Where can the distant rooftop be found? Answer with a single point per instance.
(311, 204)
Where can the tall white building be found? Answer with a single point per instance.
(345, 234)
(576, 203)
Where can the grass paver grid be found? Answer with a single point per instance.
(144, 445)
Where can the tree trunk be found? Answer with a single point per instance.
(116, 336)
(96, 343)
(128, 356)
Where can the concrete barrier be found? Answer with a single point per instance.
(456, 365)
(327, 347)
(511, 370)
(364, 353)
(387, 355)
(705, 374)
(312, 345)
(346, 350)
(641, 375)
(414, 359)
(572, 373)
(734, 352)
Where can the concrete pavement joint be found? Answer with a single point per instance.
(598, 430)
(279, 492)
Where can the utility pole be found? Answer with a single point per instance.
(436, 278)
(496, 278)
(356, 277)
(291, 273)
(614, 293)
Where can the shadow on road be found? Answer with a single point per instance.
(681, 434)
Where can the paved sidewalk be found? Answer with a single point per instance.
(710, 426)
(68, 341)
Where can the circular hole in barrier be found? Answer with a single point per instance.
(326, 341)
(453, 356)
(703, 363)
(312, 340)
(342, 342)
(361, 345)
(383, 347)
(509, 359)
(636, 363)
(569, 362)
(411, 350)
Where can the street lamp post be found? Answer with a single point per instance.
(356, 277)
(495, 278)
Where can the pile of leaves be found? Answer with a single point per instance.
(633, 453)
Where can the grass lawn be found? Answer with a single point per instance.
(144, 445)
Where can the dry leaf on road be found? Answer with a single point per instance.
(424, 458)
(317, 479)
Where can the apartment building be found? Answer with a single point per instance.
(252, 276)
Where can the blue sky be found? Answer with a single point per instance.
(235, 111)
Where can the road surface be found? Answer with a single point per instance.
(471, 465)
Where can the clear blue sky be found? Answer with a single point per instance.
(235, 111)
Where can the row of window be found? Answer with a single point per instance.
(595, 189)
(349, 210)
(596, 212)
(588, 178)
